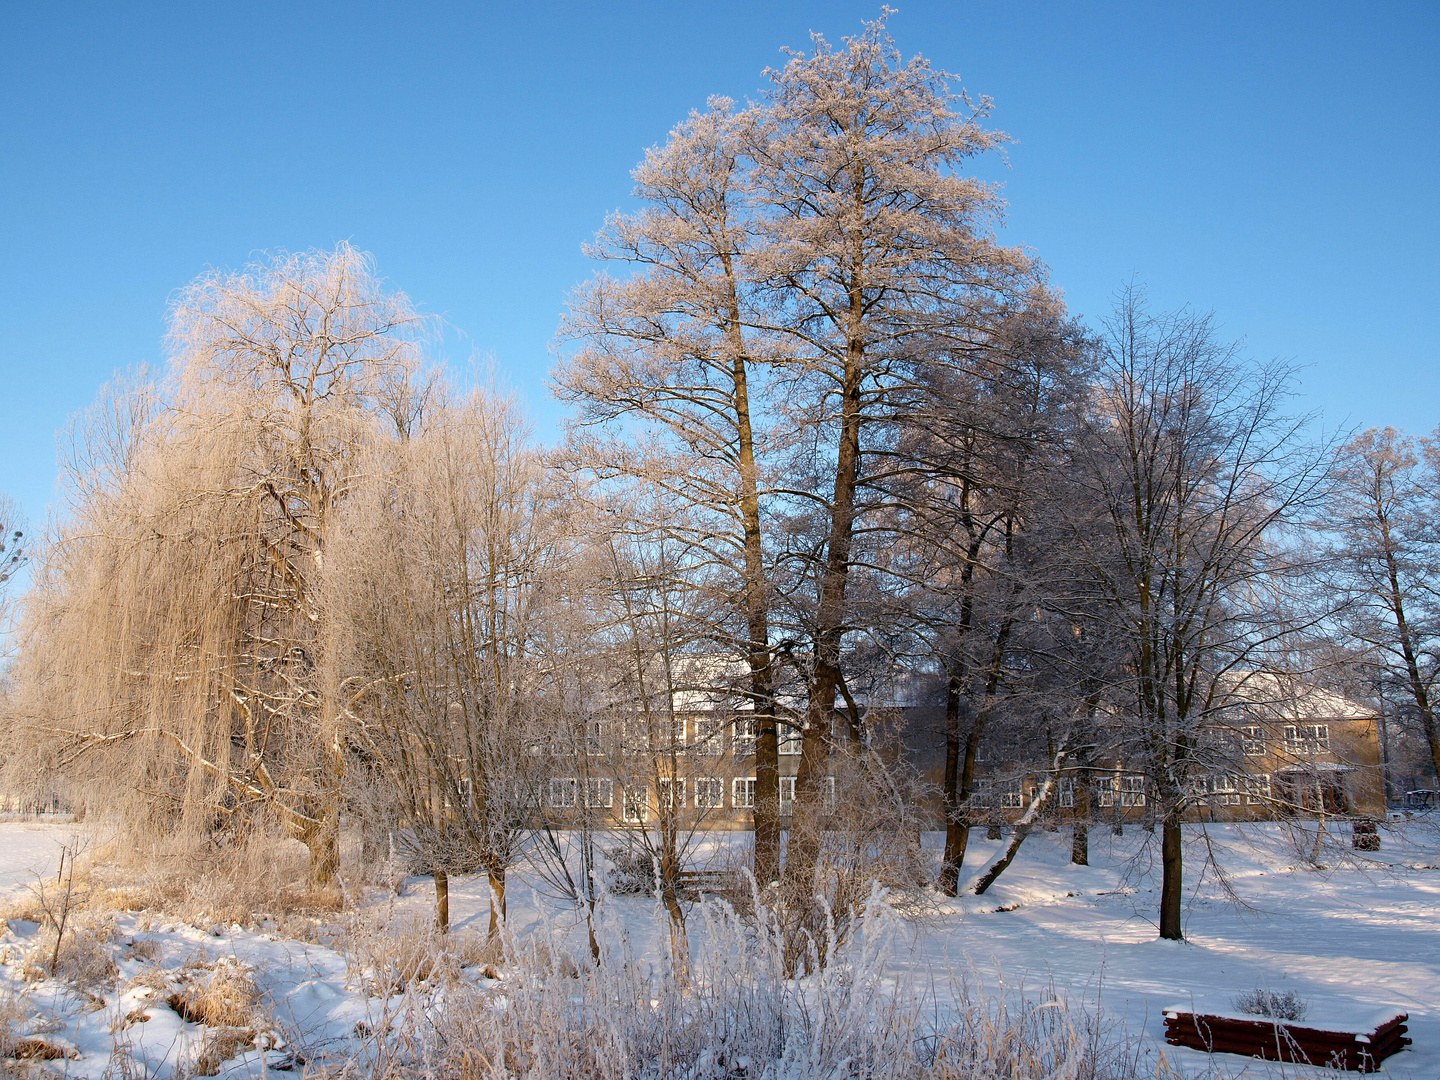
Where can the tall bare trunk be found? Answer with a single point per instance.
(816, 742)
(1172, 876)
(1080, 838)
(956, 835)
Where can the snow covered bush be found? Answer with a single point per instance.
(1277, 1004)
(632, 871)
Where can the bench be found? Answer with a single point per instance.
(694, 883)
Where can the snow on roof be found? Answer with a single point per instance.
(1287, 697)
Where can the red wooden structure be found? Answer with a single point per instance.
(1279, 1040)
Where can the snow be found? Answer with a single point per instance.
(1359, 941)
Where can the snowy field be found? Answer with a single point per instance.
(1357, 937)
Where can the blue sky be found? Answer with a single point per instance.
(1274, 162)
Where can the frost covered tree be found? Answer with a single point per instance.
(443, 561)
(979, 474)
(670, 379)
(873, 246)
(178, 637)
(1387, 567)
(1193, 467)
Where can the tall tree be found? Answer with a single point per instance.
(670, 354)
(981, 462)
(1384, 513)
(872, 245)
(1194, 466)
(179, 629)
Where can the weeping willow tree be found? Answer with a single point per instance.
(177, 649)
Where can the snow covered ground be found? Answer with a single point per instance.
(1354, 939)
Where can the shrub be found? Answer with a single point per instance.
(1277, 1004)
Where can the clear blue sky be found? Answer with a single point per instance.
(1275, 162)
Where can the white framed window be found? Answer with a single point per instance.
(1224, 790)
(595, 737)
(671, 795)
(465, 787)
(829, 793)
(709, 735)
(742, 792)
(790, 738)
(527, 795)
(787, 794)
(1257, 788)
(1200, 786)
(562, 791)
(1252, 741)
(1307, 738)
(1067, 792)
(984, 793)
(743, 742)
(1108, 788)
(636, 800)
(709, 792)
(1012, 794)
(599, 793)
(637, 735)
(1132, 791)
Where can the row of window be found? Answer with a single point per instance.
(1228, 789)
(1299, 739)
(1222, 789)
(707, 735)
(709, 794)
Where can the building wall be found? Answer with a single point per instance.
(1322, 764)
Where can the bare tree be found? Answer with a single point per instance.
(1190, 459)
(1387, 551)
(978, 480)
(435, 585)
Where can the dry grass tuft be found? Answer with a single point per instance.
(250, 884)
(387, 960)
(220, 993)
(85, 959)
(222, 1044)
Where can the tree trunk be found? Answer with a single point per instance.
(322, 840)
(955, 836)
(1080, 844)
(1418, 689)
(766, 812)
(999, 866)
(957, 831)
(1022, 830)
(1080, 837)
(497, 901)
(442, 901)
(1172, 877)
